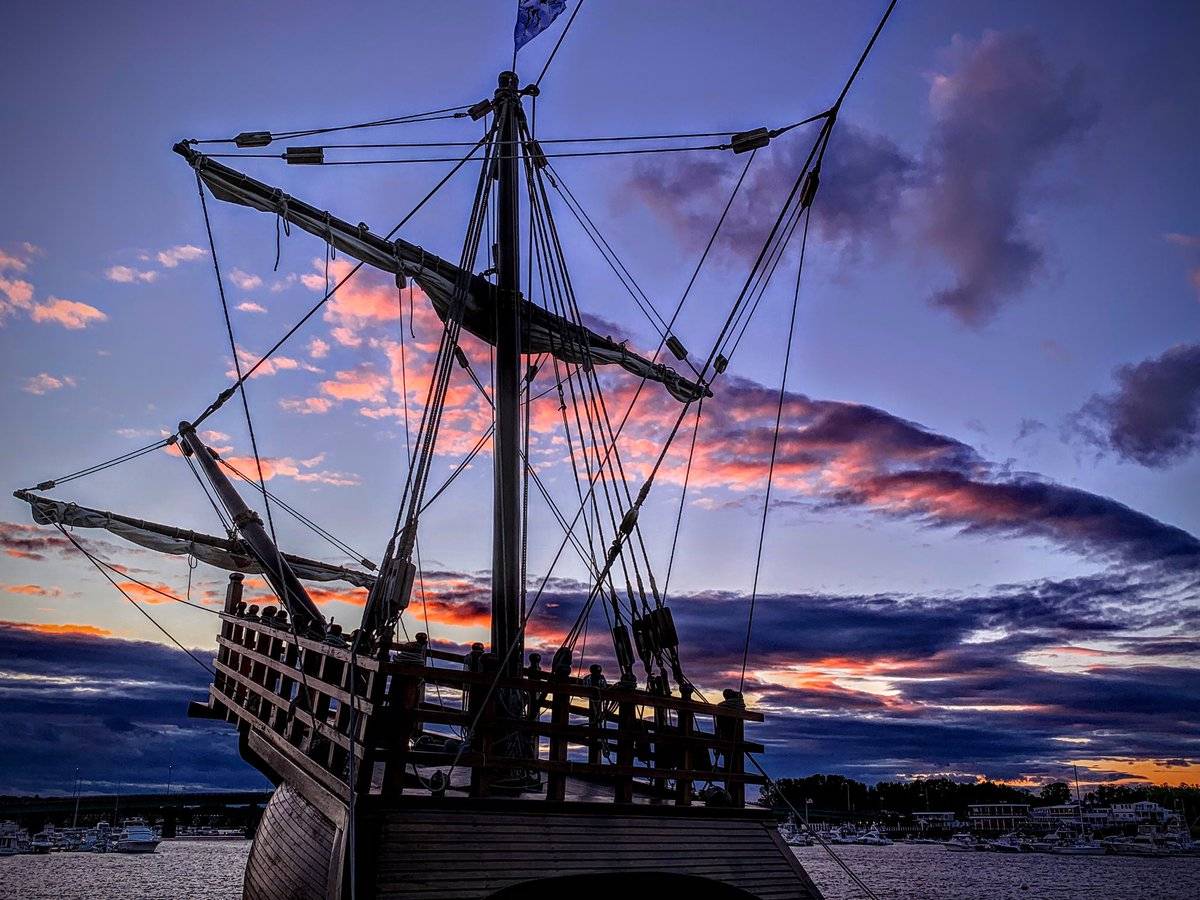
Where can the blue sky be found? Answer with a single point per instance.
(1028, 438)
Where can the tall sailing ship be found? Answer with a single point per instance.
(403, 769)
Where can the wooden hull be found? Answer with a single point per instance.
(419, 847)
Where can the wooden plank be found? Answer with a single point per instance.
(326, 730)
(360, 703)
(455, 677)
(363, 661)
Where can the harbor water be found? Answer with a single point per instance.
(212, 870)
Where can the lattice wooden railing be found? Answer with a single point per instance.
(295, 692)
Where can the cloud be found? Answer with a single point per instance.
(306, 406)
(10, 262)
(173, 256)
(148, 592)
(274, 364)
(846, 455)
(61, 689)
(71, 314)
(128, 274)
(244, 280)
(1153, 417)
(31, 590)
(301, 470)
(64, 628)
(43, 383)
(17, 295)
(250, 306)
(318, 349)
(862, 185)
(1002, 113)
(1190, 243)
(30, 542)
(362, 384)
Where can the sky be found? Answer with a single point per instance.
(981, 557)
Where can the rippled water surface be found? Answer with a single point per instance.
(931, 872)
(203, 870)
(212, 870)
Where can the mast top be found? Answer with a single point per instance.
(507, 80)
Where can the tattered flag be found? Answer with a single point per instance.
(534, 17)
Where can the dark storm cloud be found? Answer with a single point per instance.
(1153, 417)
(1002, 114)
(964, 694)
(852, 455)
(115, 709)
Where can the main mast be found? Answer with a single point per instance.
(506, 520)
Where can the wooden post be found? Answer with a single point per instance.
(626, 722)
(663, 755)
(683, 783)
(733, 728)
(560, 715)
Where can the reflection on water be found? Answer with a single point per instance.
(212, 870)
(930, 872)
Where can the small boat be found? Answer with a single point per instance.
(795, 835)
(846, 834)
(1008, 843)
(137, 837)
(874, 839)
(962, 842)
(1080, 846)
(42, 842)
(10, 839)
(1139, 845)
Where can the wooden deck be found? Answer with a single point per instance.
(328, 726)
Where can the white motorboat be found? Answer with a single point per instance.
(846, 834)
(1139, 845)
(10, 839)
(795, 835)
(874, 839)
(1007, 843)
(962, 843)
(1080, 846)
(136, 837)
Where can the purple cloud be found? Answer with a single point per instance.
(1002, 113)
(1153, 417)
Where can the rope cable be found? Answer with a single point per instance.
(78, 546)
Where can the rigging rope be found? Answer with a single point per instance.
(78, 546)
(762, 531)
(228, 392)
(412, 118)
(557, 44)
(862, 886)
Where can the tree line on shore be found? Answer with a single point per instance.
(839, 793)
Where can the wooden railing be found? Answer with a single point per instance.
(417, 708)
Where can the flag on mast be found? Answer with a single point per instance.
(534, 17)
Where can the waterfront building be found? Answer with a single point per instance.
(947, 821)
(1143, 812)
(997, 816)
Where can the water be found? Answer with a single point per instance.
(212, 870)
(930, 872)
(195, 870)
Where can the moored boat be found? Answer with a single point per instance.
(135, 837)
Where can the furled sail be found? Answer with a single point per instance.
(543, 331)
(223, 553)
